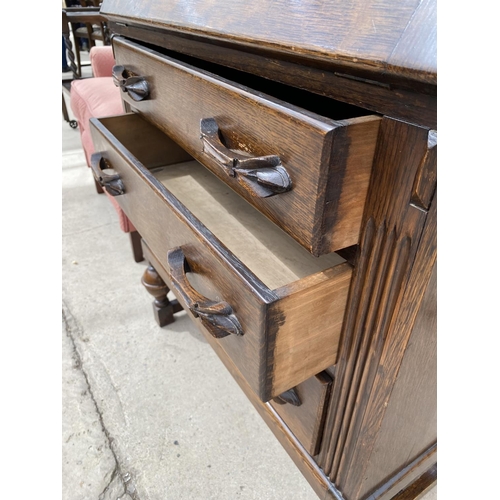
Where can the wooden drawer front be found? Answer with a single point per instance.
(303, 409)
(290, 314)
(328, 162)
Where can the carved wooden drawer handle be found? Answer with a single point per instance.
(217, 317)
(111, 181)
(136, 86)
(262, 176)
(289, 396)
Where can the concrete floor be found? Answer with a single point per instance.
(149, 413)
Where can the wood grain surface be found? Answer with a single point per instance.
(381, 36)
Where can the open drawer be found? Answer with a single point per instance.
(276, 310)
(304, 161)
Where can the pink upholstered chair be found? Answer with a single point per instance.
(99, 97)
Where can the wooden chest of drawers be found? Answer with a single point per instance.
(281, 170)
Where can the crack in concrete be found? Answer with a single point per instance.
(110, 482)
(71, 327)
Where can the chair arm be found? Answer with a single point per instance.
(102, 60)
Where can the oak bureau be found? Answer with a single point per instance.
(279, 161)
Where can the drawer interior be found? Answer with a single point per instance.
(273, 256)
(292, 96)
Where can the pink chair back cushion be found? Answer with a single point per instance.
(102, 60)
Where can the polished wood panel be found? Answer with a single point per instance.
(329, 161)
(305, 416)
(377, 36)
(270, 360)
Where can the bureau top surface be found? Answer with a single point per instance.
(385, 37)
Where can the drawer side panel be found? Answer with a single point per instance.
(308, 321)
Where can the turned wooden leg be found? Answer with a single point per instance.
(135, 240)
(163, 308)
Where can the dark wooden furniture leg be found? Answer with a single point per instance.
(163, 308)
(135, 240)
(98, 187)
(64, 110)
